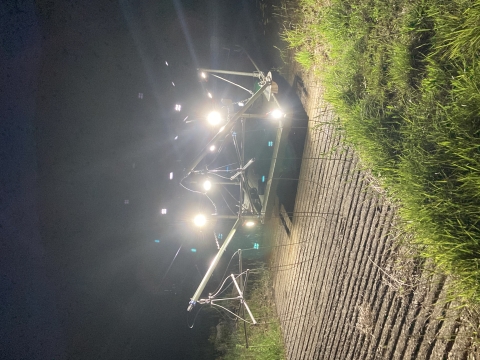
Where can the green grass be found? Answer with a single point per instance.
(265, 338)
(404, 79)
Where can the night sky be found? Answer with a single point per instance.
(87, 143)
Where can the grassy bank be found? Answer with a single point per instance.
(265, 338)
(404, 79)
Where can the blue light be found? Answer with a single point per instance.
(263, 178)
(256, 245)
(157, 241)
(220, 236)
(270, 143)
(193, 250)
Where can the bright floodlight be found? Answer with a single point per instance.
(171, 175)
(207, 185)
(212, 148)
(250, 223)
(214, 118)
(241, 104)
(163, 211)
(277, 114)
(210, 95)
(178, 107)
(200, 220)
(203, 75)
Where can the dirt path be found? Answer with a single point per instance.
(344, 287)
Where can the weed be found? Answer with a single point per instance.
(265, 338)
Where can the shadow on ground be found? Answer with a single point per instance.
(291, 163)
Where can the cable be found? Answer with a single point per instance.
(220, 176)
(230, 194)
(218, 288)
(215, 206)
(194, 191)
(221, 292)
(194, 319)
(231, 82)
(218, 168)
(223, 283)
(199, 192)
(224, 308)
(166, 273)
(223, 197)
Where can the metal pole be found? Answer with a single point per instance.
(240, 73)
(243, 301)
(235, 217)
(216, 182)
(240, 271)
(273, 175)
(213, 265)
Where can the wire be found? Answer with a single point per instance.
(228, 277)
(223, 197)
(215, 206)
(230, 194)
(194, 319)
(224, 308)
(194, 191)
(199, 192)
(221, 286)
(220, 176)
(218, 168)
(166, 273)
(218, 288)
(225, 316)
(231, 82)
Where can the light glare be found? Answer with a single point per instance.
(214, 118)
(250, 223)
(200, 220)
(276, 114)
(207, 185)
(210, 95)
(212, 148)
